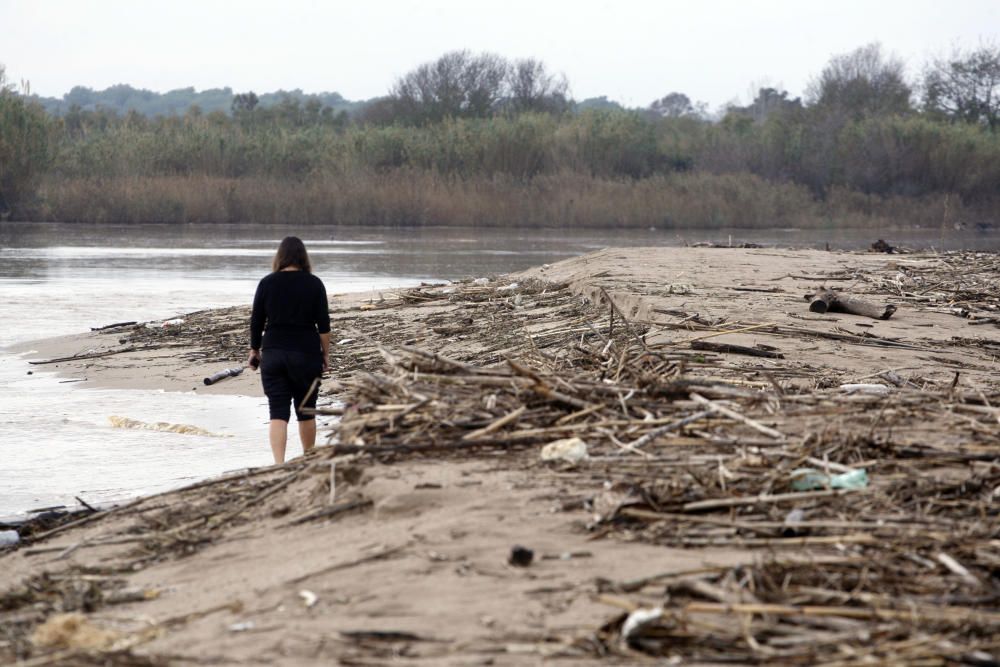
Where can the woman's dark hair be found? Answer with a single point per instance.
(291, 252)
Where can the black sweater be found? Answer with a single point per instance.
(290, 310)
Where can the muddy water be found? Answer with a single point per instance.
(55, 439)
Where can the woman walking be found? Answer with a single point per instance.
(290, 341)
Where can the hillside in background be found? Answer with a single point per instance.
(123, 98)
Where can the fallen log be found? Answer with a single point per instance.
(835, 302)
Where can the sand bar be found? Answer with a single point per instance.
(408, 560)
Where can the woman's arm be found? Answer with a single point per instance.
(258, 318)
(323, 325)
(324, 344)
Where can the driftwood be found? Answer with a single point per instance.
(829, 301)
(116, 325)
(882, 246)
(727, 348)
(223, 374)
(80, 357)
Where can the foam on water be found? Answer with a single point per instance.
(57, 441)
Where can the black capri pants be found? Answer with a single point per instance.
(287, 376)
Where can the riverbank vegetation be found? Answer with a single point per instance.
(479, 140)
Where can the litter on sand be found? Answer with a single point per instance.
(571, 450)
(808, 479)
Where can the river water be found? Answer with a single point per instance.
(56, 442)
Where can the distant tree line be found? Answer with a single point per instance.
(863, 136)
(123, 98)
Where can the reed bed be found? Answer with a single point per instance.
(408, 197)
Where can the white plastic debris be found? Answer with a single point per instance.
(9, 538)
(345, 341)
(874, 389)
(176, 322)
(572, 450)
(308, 597)
(794, 517)
(481, 281)
(639, 620)
(242, 627)
(507, 288)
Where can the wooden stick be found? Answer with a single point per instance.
(576, 415)
(779, 542)
(328, 512)
(79, 357)
(763, 499)
(641, 582)
(957, 568)
(625, 322)
(542, 388)
(657, 432)
(86, 504)
(721, 333)
(915, 614)
(757, 426)
(116, 325)
(384, 553)
(96, 542)
(496, 425)
(726, 348)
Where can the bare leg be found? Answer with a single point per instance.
(278, 433)
(307, 434)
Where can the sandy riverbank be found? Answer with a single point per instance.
(714, 284)
(407, 560)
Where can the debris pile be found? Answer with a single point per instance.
(869, 519)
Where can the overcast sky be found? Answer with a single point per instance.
(632, 51)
